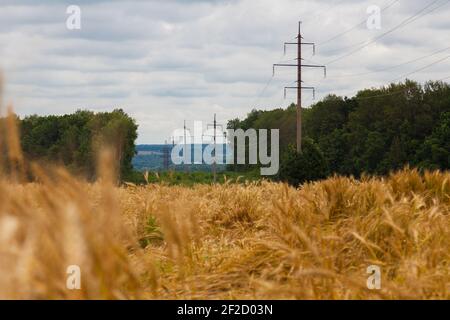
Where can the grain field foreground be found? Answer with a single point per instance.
(271, 241)
(259, 240)
(233, 241)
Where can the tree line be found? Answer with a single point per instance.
(377, 131)
(73, 140)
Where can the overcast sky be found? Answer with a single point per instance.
(166, 61)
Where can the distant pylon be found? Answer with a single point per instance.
(166, 156)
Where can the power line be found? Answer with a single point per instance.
(391, 67)
(401, 24)
(320, 12)
(422, 12)
(269, 82)
(405, 22)
(262, 92)
(355, 26)
(423, 68)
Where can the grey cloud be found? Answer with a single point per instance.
(169, 60)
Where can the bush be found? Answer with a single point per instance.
(297, 168)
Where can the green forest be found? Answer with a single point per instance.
(74, 139)
(375, 132)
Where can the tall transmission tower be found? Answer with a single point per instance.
(299, 86)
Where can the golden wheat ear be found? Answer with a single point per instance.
(146, 177)
(15, 155)
(2, 134)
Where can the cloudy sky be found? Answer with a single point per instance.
(170, 60)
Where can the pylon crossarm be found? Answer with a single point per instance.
(313, 90)
(315, 66)
(286, 88)
(312, 66)
(283, 65)
(310, 44)
(287, 44)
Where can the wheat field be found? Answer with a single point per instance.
(259, 240)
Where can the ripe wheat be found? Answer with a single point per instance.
(234, 241)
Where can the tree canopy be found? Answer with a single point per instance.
(73, 140)
(377, 131)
